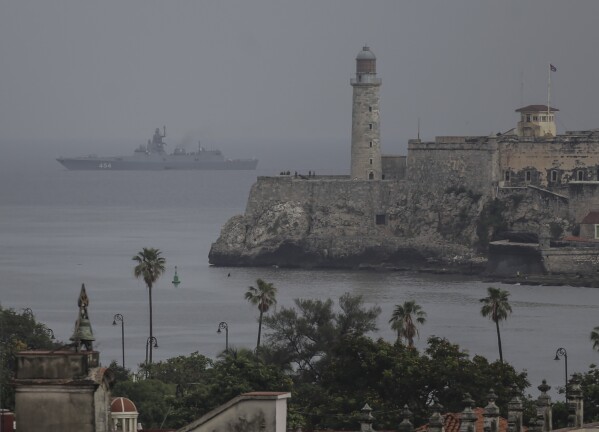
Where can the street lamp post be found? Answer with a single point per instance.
(561, 352)
(119, 317)
(223, 325)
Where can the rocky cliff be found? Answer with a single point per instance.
(338, 222)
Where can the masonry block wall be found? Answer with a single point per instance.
(452, 162)
(548, 163)
(315, 207)
(61, 391)
(584, 197)
(394, 167)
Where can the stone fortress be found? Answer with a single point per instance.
(448, 203)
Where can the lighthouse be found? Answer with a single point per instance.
(365, 131)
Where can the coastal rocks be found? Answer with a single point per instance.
(337, 222)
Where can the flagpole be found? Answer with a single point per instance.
(548, 91)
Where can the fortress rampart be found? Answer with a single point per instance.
(453, 162)
(319, 204)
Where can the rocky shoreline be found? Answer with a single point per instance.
(330, 222)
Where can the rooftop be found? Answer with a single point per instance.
(536, 108)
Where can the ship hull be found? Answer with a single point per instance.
(155, 164)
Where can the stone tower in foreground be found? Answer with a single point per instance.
(365, 131)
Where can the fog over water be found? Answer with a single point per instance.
(61, 228)
(265, 79)
(268, 77)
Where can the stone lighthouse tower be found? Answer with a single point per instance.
(365, 130)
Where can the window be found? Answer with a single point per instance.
(506, 176)
(369, 109)
(370, 126)
(528, 176)
(544, 118)
(370, 161)
(597, 174)
(580, 175)
(553, 175)
(370, 175)
(370, 144)
(381, 219)
(597, 231)
(528, 117)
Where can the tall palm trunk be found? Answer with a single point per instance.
(499, 342)
(259, 329)
(151, 328)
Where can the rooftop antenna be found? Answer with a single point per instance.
(418, 128)
(163, 131)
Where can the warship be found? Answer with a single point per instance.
(153, 156)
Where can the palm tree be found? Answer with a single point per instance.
(595, 338)
(497, 307)
(405, 319)
(263, 296)
(150, 266)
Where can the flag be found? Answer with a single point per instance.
(552, 68)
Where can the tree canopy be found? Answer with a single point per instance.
(405, 320)
(496, 307)
(18, 332)
(263, 295)
(150, 266)
(301, 336)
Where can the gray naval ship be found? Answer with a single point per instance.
(153, 156)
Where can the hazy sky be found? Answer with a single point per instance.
(273, 75)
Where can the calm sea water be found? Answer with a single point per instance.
(59, 229)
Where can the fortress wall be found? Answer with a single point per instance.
(349, 207)
(394, 167)
(571, 260)
(452, 162)
(539, 158)
(584, 197)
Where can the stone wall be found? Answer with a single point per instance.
(584, 197)
(56, 364)
(61, 391)
(531, 162)
(394, 167)
(453, 162)
(571, 260)
(314, 206)
(56, 408)
(249, 412)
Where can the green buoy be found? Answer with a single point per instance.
(176, 280)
